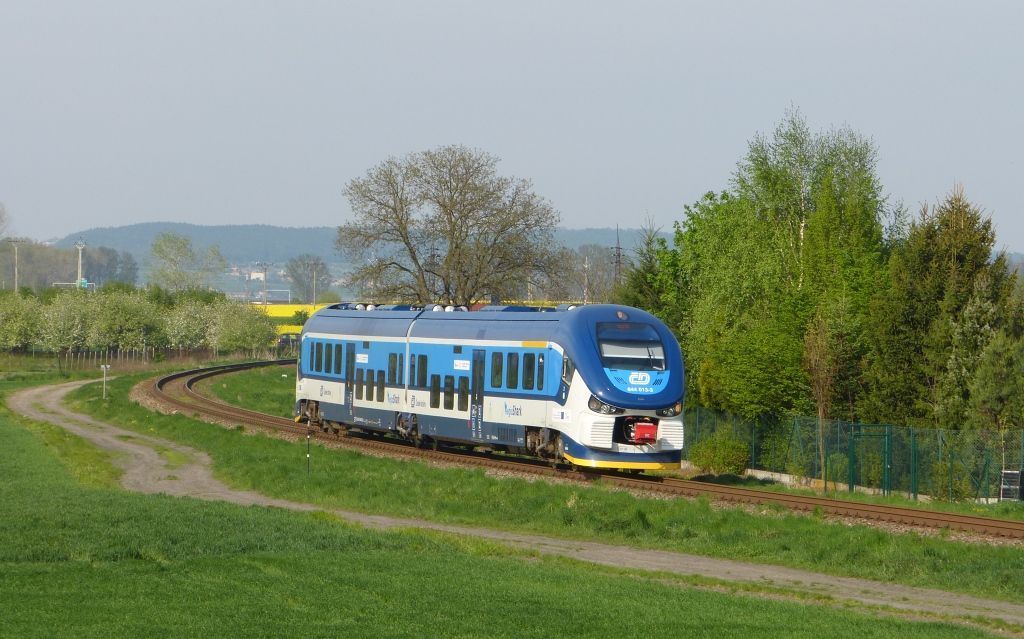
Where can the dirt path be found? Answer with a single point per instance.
(145, 470)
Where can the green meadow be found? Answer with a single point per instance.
(81, 558)
(348, 480)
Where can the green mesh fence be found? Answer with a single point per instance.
(882, 458)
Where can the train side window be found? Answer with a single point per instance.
(337, 359)
(512, 371)
(318, 365)
(540, 371)
(350, 363)
(359, 384)
(529, 368)
(435, 391)
(449, 392)
(463, 393)
(568, 368)
(401, 369)
(496, 360)
(421, 374)
(392, 367)
(328, 362)
(412, 370)
(380, 386)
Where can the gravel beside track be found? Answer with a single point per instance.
(145, 470)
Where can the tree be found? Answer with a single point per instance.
(591, 274)
(235, 327)
(442, 225)
(751, 266)
(125, 320)
(3, 219)
(176, 265)
(924, 335)
(19, 320)
(642, 286)
(309, 275)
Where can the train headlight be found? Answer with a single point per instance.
(598, 406)
(671, 411)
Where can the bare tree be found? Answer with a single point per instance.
(3, 219)
(443, 226)
(309, 275)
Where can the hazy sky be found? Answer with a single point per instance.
(217, 112)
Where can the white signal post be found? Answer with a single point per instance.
(105, 367)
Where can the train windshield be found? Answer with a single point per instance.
(630, 346)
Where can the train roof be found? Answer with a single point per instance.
(507, 322)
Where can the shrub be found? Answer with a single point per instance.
(721, 453)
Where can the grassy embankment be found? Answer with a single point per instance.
(348, 480)
(82, 559)
(271, 390)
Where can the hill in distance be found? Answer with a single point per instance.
(248, 243)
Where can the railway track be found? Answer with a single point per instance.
(178, 390)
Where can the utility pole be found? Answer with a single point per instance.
(15, 242)
(617, 255)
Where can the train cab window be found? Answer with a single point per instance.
(463, 393)
(392, 368)
(512, 371)
(630, 346)
(449, 392)
(380, 386)
(328, 363)
(435, 391)
(496, 361)
(359, 384)
(421, 373)
(318, 359)
(540, 371)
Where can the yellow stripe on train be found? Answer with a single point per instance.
(594, 463)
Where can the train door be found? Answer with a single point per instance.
(350, 376)
(476, 395)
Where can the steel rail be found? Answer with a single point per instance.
(178, 390)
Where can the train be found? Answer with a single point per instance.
(595, 386)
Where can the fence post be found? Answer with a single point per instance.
(913, 462)
(887, 477)
(851, 459)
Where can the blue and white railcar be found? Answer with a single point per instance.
(597, 386)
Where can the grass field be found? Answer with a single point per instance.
(81, 559)
(348, 480)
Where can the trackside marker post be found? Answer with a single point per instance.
(309, 434)
(105, 367)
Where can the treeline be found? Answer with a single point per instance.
(802, 289)
(120, 317)
(41, 266)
